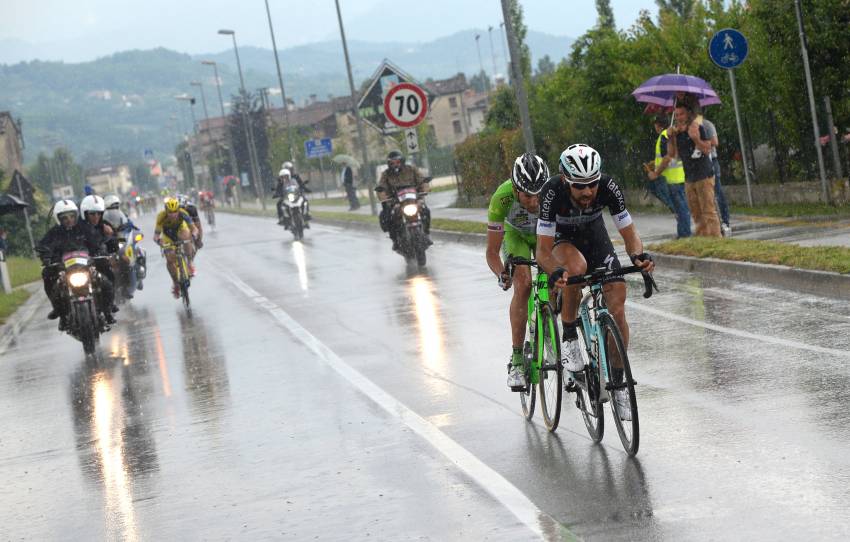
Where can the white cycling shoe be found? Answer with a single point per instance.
(572, 357)
(516, 378)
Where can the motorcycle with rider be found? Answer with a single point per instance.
(130, 262)
(293, 209)
(404, 214)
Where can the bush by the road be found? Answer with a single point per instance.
(825, 258)
(484, 161)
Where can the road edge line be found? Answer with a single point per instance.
(488, 479)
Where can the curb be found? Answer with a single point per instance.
(16, 321)
(823, 283)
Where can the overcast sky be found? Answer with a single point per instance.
(79, 30)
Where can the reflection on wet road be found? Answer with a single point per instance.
(245, 418)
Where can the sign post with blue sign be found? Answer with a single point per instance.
(728, 49)
(316, 148)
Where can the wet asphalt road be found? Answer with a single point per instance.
(321, 390)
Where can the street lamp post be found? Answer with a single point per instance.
(207, 120)
(234, 169)
(364, 168)
(189, 141)
(492, 52)
(478, 48)
(280, 82)
(249, 131)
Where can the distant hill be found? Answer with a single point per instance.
(126, 101)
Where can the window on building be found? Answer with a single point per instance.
(453, 102)
(458, 128)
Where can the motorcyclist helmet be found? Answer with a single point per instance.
(529, 174)
(395, 161)
(285, 172)
(92, 204)
(63, 208)
(112, 201)
(288, 165)
(172, 205)
(580, 163)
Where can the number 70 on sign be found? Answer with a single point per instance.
(406, 105)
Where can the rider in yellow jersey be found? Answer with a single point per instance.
(174, 224)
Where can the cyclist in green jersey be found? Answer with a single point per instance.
(512, 226)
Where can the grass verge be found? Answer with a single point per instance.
(23, 270)
(9, 303)
(825, 258)
(792, 210)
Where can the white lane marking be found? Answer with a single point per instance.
(740, 333)
(509, 495)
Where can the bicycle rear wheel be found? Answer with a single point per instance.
(628, 429)
(547, 352)
(588, 391)
(528, 398)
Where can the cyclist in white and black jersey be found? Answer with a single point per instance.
(572, 239)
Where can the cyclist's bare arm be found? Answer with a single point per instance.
(494, 243)
(545, 258)
(634, 246)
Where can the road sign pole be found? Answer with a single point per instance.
(519, 80)
(322, 173)
(740, 136)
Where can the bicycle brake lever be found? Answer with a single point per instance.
(649, 285)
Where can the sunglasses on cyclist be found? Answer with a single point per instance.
(582, 186)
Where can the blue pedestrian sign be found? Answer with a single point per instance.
(316, 148)
(728, 48)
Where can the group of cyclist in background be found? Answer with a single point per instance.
(558, 219)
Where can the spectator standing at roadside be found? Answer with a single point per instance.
(719, 194)
(347, 176)
(689, 142)
(673, 174)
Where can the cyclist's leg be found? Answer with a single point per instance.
(170, 257)
(185, 234)
(599, 252)
(570, 258)
(515, 244)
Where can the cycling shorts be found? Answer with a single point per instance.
(170, 236)
(594, 244)
(518, 244)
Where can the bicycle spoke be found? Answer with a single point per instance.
(620, 387)
(548, 354)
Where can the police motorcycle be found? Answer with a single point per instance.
(292, 204)
(78, 285)
(408, 223)
(130, 261)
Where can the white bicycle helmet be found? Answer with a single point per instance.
(529, 173)
(92, 204)
(112, 201)
(580, 163)
(64, 206)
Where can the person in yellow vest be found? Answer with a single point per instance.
(671, 170)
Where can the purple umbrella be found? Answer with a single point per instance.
(661, 90)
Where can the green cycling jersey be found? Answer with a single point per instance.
(505, 214)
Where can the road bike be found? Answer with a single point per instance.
(607, 371)
(542, 350)
(184, 277)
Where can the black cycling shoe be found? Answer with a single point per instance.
(53, 315)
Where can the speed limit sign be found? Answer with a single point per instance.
(406, 105)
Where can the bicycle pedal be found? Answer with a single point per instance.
(519, 388)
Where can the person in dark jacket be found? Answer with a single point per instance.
(68, 235)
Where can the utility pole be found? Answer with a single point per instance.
(478, 48)
(805, 52)
(280, 82)
(364, 168)
(516, 71)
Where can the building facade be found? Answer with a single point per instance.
(111, 180)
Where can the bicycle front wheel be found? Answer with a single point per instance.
(620, 386)
(548, 357)
(588, 391)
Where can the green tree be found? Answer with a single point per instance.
(520, 31)
(545, 67)
(605, 15)
(480, 82)
(682, 8)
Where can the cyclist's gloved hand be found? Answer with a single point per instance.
(556, 275)
(644, 261)
(504, 280)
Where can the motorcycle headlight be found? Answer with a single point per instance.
(410, 210)
(290, 197)
(78, 280)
